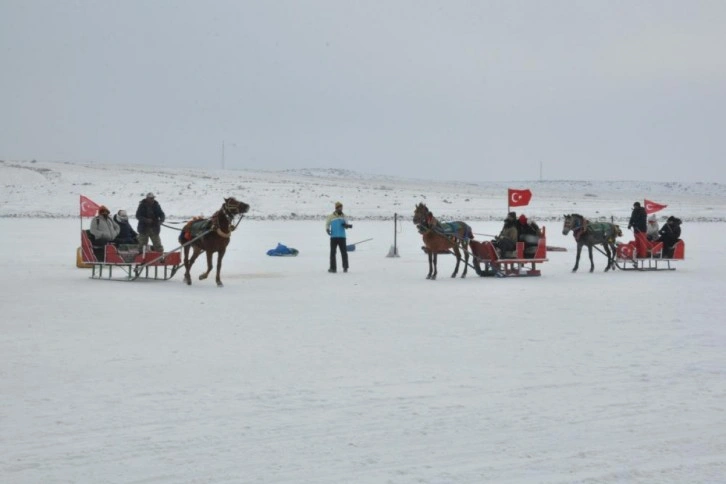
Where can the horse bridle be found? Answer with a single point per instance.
(230, 209)
(423, 225)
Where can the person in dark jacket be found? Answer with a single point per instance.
(528, 230)
(150, 217)
(126, 235)
(506, 241)
(669, 235)
(335, 225)
(638, 219)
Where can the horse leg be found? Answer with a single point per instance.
(188, 265)
(457, 253)
(209, 266)
(431, 265)
(607, 253)
(220, 255)
(466, 258)
(613, 254)
(592, 262)
(577, 258)
(436, 265)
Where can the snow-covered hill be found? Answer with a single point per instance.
(50, 189)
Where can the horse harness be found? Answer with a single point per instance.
(433, 225)
(228, 215)
(579, 230)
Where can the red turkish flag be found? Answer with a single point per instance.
(519, 198)
(88, 207)
(652, 207)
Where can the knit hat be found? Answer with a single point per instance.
(636, 205)
(652, 219)
(122, 215)
(150, 195)
(512, 215)
(338, 204)
(523, 219)
(103, 210)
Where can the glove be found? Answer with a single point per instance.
(348, 226)
(327, 231)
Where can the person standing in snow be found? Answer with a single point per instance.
(150, 217)
(335, 226)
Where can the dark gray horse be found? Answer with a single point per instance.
(591, 234)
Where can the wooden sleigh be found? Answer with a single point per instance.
(522, 262)
(642, 254)
(109, 262)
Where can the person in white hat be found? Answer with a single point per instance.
(150, 217)
(653, 228)
(127, 235)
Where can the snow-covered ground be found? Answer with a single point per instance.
(52, 190)
(291, 374)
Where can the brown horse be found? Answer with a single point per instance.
(442, 238)
(217, 230)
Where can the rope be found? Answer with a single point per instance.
(173, 228)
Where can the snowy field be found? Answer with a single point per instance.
(289, 374)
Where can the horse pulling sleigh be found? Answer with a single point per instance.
(132, 263)
(640, 254)
(458, 238)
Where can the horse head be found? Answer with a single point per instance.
(572, 222)
(235, 207)
(421, 214)
(567, 225)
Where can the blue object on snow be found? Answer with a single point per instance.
(282, 251)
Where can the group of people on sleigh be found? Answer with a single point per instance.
(117, 230)
(669, 234)
(516, 229)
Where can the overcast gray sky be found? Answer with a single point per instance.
(460, 90)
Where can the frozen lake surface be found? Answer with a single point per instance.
(291, 374)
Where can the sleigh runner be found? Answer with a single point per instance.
(522, 262)
(127, 263)
(642, 254)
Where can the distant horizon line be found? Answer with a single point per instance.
(357, 172)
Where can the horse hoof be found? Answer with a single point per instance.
(202, 277)
(219, 284)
